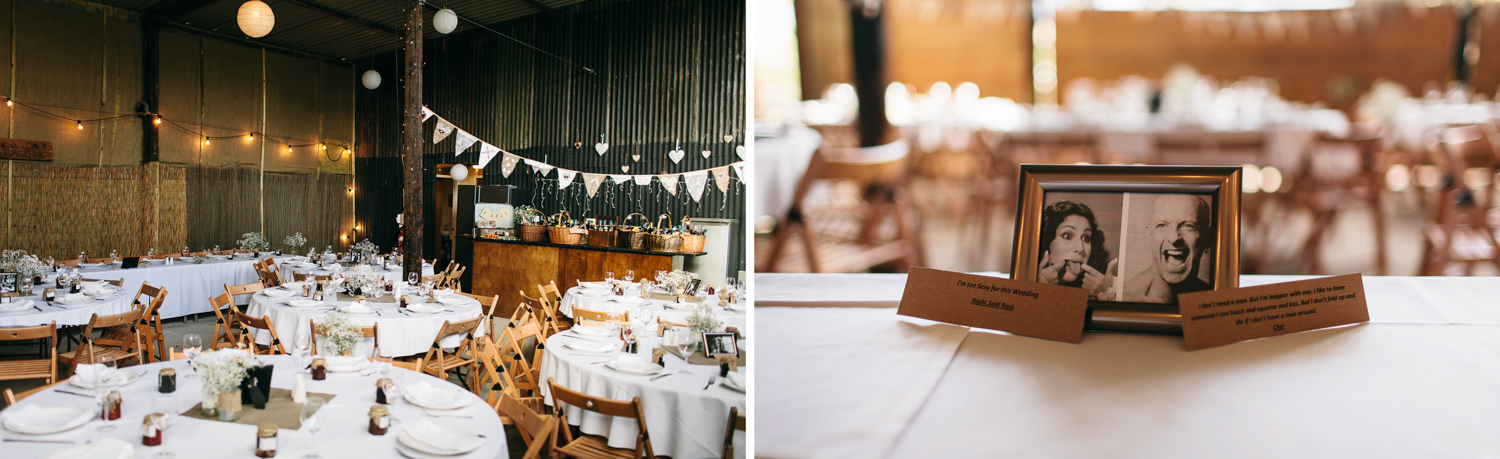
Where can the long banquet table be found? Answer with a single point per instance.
(847, 377)
(189, 286)
(400, 333)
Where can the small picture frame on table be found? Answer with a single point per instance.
(10, 284)
(717, 344)
(1134, 236)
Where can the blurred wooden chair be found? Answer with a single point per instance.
(19, 369)
(122, 350)
(594, 446)
(736, 424)
(247, 336)
(1231, 148)
(882, 174)
(544, 314)
(440, 362)
(1058, 147)
(148, 328)
(536, 429)
(225, 335)
(11, 397)
(1323, 189)
(366, 331)
(1458, 227)
(489, 313)
(512, 341)
(495, 381)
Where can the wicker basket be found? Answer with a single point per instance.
(628, 239)
(563, 235)
(692, 243)
(602, 238)
(532, 233)
(668, 242)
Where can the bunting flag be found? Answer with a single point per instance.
(508, 164)
(591, 182)
(721, 178)
(565, 178)
(669, 181)
(644, 180)
(696, 181)
(426, 113)
(620, 178)
(541, 168)
(441, 132)
(465, 140)
(739, 168)
(487, 152)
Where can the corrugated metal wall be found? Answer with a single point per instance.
(664, 71)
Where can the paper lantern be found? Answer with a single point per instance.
(445, 20)
(459, 172)
(371, 79)
(256, 18)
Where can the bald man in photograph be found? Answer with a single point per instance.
(1180, 233)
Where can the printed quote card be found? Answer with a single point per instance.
(1214, 318)
(1046, 311)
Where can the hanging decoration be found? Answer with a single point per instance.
(465, 140)
(565, 178)
(739, 150)
(487, 152)
(721, 178)
(601, 147)
(426, 113)
(508, 164)
(739, 169)
(256, 18)
(669, 181)
(676, 154)
(625, 168)
(696, 181)
(636, 158)
(620, 178)
(444, 128)
(591, 182)
(371, 80)
(707, 153)
(541, 168)
(645, 180)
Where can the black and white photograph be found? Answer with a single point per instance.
(717, 344)
(10, 283)
(1168, 247)
(1080, 241)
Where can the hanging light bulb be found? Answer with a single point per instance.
(205, 141)
(80, 125)
(288, 148)
(157, 120)
(325, 147)
(9, 103)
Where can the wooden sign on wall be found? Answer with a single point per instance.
(29, 150)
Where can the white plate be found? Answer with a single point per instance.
(278, 293)
(645, 368)
(347, 364)
(304, 303)
(424, 308)
(107, 448)
(293, 286)
(439, 399)
(593, 292)
(76, 417)
(442, 293)
(306, 265)
(347, 310)
(454, 438)
(453, 300)
(590, 347)
(600, 284)
(16, 306)
(90, 265)
(630, 300)
(591, 331)
(122, 377)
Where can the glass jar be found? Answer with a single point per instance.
(380, 420)
(265, 440)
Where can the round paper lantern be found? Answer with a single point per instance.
(256, 18)
(459, 172)
(445, 20)
(371, 79)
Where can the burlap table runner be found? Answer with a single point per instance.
(698, 358)
(383, 299)
(673, 298)
(279, 410)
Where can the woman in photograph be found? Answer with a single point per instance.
(1073, 250)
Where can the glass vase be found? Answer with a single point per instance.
(229, 405)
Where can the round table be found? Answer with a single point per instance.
(343, 435)
(66, 314)
(401, 334)
(657, 308)
(685, 420)
(290, 267)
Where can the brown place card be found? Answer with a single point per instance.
(697, 358)
(1218, 317)
(1033, 309)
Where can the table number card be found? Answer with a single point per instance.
(1218, 317)
(1025, 308)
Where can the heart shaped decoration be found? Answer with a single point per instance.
(636, 158)
(601, 147)
(707, 153)
(624, 168)
(728, 138)
(676, 155)
(739, 150)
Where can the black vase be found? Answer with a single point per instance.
(255, 389)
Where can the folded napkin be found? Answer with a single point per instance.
(426, 394)
(440, 439)
(347, 363)
(38, 418)
(629, 362)
(453, 300)
(589, 346)
(443, 292)
(75, 298)
(16, 305)
(737, 377)
(357, 308)
(108, 448)
(424, 308)
(88, 374)
(591, 330)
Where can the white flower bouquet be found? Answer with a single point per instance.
(254, 241)
(21, 262)
(365, 247)
(361, 280)
(676, 278)
(295, 240)
(339, 335)
(703, 320)
(222, 370)
(199, 258)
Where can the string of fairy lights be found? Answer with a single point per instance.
(157, 119)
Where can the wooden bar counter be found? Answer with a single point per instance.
(507, 267)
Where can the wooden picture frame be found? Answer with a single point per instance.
(10, 284)
(1175, 229)
(717, 344)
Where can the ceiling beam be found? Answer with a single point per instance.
(538, 5)
(253, 43)
(345, 17)
(171, 9)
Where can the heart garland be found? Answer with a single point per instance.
(721, 178)
(739, 150)
(601, 147)
(669, 182)
(565, 178)
(676, 155)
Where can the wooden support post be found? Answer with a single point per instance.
(867, 33)
(151, 50)
(411, 156)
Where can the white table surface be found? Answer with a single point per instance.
(64, 315)
(189, 286)
(1419, 380)
(685, 420)
(391, 275)
(671, 312)
(344, 435)
(401, 334)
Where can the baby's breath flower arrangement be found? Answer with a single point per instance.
(295, 241)
(221, 370)
(677, 278)
(339, 335)
(365, 247)
(21, 262)
(199, 258)
(363, 281)
(254, 241)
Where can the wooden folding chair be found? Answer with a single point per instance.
(511, 346)
(247, 338)
(489, 314)
(535, 428)
(594, 446)
(299, 277)
(45, 369)
(415, 365)
(92, 348)
(225, 335)
(455, 277)
(439, 361)
(11, 397)
(1323, 191)
(1458, 227)
(494, 377)
(544, 314)
(552, 298)
(371, 331)
(736, 423)
(149, 328)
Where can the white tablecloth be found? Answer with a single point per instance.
(1418, 380)
(344, 435)
(116, 303)
(685, 421)
(779, 164)
(666, 310)
(392, 275)
(400, 334)
(189, 286)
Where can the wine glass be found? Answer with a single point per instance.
(609, 276)
(684, 341)
(411, 279)
(301, 351)
(629, 275)
(166, 404)
(104, 379)
(312, 419)
(192, 345)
